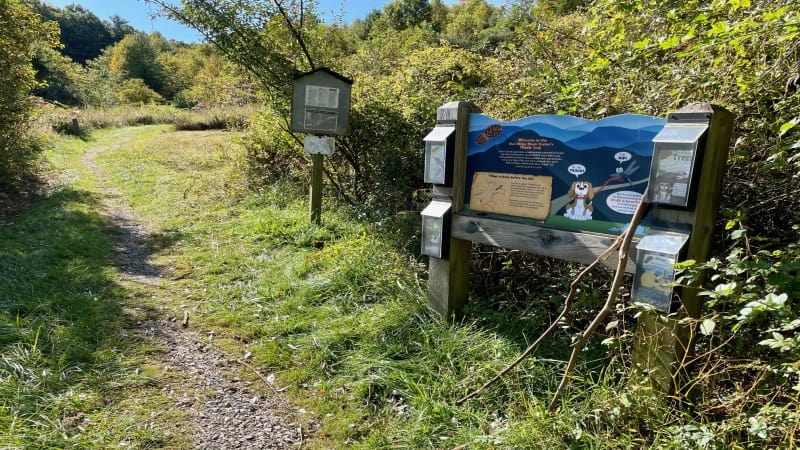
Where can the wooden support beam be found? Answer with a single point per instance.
(315, 202)
(709, 192)
(576, 246)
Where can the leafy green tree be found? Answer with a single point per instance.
(470, 17)
(474, 24)
(182, 65)
(218, 82)
(136, 57)
(119, 28)
(404, 14)
(98, 86)
(439, 15)
(267, 38)
(83, 34)
(562, 6)
(22, 32)
(362, 27)
(59, 77)
(136, 91)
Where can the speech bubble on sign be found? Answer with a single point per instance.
(622, 157)
(624, 202)
(577, 169)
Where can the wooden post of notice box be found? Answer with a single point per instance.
(448, 282)
(663, 342)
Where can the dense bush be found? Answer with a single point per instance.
(21, 33)
(135, 91)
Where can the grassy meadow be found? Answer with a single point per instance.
(337, 313)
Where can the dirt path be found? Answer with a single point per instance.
(227, 412)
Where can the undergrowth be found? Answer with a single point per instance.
(60, 120)
(336, 314)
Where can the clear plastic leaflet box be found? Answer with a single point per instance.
(657, 253)
(675, 153)
(439, 149)
(435, 229)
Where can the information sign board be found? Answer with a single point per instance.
(559, 170)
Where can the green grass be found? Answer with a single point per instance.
(336, 312)
(67, 359)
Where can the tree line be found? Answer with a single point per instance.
(103, 63)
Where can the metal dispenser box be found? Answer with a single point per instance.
(677, 152)
(657, 253)
(321, 103)
(439, 148)
(436, 228)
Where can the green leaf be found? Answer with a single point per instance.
(670, 42)
(718, 28)
(738, 4)
(775, 301)
(789, 125)
(725, 288)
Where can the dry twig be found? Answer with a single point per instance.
(573, 290)
(627, 237)
(622, 242)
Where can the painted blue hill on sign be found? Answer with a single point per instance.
(609, 159)
(597, 133)
(613, 137)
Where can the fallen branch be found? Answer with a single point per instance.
(627, 237)
(573, 291)
(623, 241)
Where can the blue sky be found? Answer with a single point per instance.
(140, 14)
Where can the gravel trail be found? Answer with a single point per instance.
(227, 413)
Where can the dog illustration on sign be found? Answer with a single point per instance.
(581, 194)
(580, 208)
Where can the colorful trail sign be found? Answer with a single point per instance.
(560, 171)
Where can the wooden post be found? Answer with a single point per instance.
(448, 281)
(315, 203)
(662, 343)
(76, 128)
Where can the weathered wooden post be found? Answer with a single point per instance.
(445, 167)
(663, 342)
(315, 201)
(320, 106)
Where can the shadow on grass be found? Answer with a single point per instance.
(63, 320)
